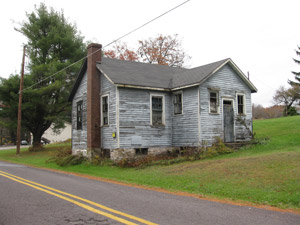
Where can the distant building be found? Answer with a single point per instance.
(64, 135)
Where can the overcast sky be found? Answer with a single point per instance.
(260, 36)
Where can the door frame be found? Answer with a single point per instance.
(232, 103)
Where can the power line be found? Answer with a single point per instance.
(264, 84)
(146, 23)
(161, 15)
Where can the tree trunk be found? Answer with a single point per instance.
(37, 136)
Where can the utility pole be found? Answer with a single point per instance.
(20, 103)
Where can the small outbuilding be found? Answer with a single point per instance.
(126, 108)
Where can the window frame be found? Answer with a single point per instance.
(163, 109)
(217, 102)
(244, 103)
(101, 108)
(174, 94)
(79, 115)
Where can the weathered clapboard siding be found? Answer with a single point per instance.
(107, 141)
(229, 84)
(134, 116)
(185, 126)
(79, 137)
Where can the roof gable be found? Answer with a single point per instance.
(198, 75)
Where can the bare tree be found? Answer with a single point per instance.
(258, 111)
(287, 97)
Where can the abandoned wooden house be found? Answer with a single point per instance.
(129, 108)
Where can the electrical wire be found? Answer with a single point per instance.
(161, 15)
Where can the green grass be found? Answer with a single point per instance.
(268, 173)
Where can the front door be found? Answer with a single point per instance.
(228, 121)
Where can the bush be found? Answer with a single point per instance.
(64, 157)
(100, 160)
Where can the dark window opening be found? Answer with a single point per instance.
(214, 102)
(105, 110)
(225, 102)
(240, 99)
(177, 103)
(79, 115)
(157, 111)
(141, 151)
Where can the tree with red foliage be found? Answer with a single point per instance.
(121, 51)
(163, 50)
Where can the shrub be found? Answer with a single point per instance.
(99, 160)
(64, 157)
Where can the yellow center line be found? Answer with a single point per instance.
(27, 182)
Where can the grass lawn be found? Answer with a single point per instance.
(268, 173)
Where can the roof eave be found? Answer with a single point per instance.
(142, 87)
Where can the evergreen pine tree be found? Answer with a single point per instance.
(53, 44)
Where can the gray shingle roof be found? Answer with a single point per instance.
(153, 75)
(195, 75)
(156, 76)
(138, 74)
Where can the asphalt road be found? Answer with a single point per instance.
(76, 200)
(12, 147)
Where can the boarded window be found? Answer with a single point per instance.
(177, 100)
(241, 104)
(79, 115)
(157, 110)
(105, 110)
(213, 101)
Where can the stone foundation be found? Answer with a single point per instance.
(118, 154)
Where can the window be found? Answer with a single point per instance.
(241, 103)
(79, 115)
(213, 102)
(104, 110)
(177, 100)
(157, 110)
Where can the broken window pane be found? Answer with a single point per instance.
(214, 103)
(178, 103)
(105, 110)
(240, 99)
(157, 110)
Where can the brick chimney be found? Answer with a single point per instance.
(93, 98)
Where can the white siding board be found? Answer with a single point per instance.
(228, 83)
(185, 126)
(107, 140)
(135, 119)
(79, 137)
